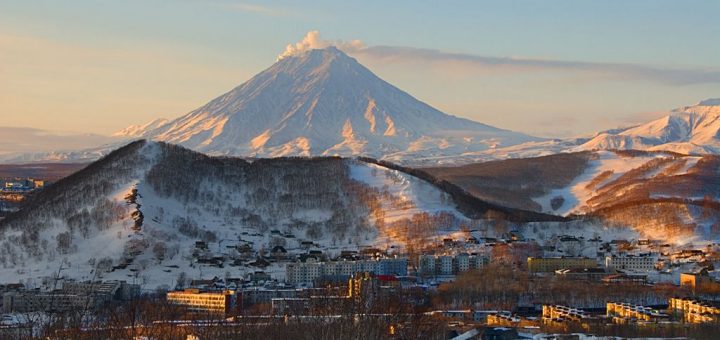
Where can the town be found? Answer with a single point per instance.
(644, 285)
(14, 190)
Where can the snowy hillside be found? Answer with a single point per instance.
(137, 214)
(323, 102)
(603, 171)
(662, 195)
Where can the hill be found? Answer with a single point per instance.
(139, 211)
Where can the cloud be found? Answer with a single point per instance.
(312, 41)
(672, 76)
(615, 71)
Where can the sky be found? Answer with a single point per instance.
(547, 68)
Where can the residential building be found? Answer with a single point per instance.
(72, 296)
(363, 287)
(623, 313)
(433, 265)
(633, 263)
(54, 301)
(390, 266)
(696, 311)
(587, 274)
(209, 302)
(304, 272)
(551, 264)
(308, 272)
(563, 313)
(262, 295)
(445, 265)
(696, 280)
(625, 278)
(290, 306)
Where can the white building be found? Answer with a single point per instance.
(450, 264)
(634, 263)
(445, 265)
(304, 272)
(308, 272)
(463, 262)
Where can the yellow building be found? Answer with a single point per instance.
(503, 319)
(695, 311)
(220, 302)
(551, 264)
(695, 280)
(624, 312)
(558, 312)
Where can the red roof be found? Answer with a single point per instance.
(386, 277)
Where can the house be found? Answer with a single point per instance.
(259, 276)
(278, 253)
(201, 245)
(349, 255)
(260, 262)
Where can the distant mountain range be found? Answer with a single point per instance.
(322, 102)
(687, 130)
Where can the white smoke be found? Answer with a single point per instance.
(313, 41)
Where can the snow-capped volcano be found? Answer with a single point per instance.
(690, 129)
(323, 102)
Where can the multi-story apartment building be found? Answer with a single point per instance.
(391, 266)
(54, 301)
(431, 265)
(623, 313)
(633, 263)
(557, 312)
(308, 272)
(445, 265)
(551, 264)
(72, 296)
(696, 311)
(210, 302)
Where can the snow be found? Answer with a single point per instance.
(419, 195)
(577, 194)
(138, 130)
(709, 102)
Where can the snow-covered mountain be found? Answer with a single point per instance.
(323, 102)
(138, 130)
(688, 130)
